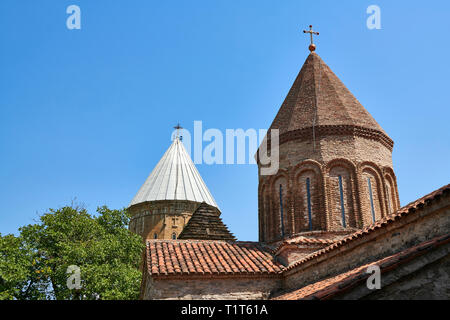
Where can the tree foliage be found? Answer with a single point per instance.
(34, 264)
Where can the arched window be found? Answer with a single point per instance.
(308, 195)
(373, 198)
(341, 193)
(307, 201)
(281, 211)
(155, 236)
(174, 236)
(369, 184)
(374, 204)
(340, 201)
(390, 194)
(264, 223)
(388, 198)
(279, 225)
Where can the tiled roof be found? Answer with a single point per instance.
(187, 257)
(213, 257)
(328, 288)
(206, 224)
(318, 91)
(408, 209)
(303, 241)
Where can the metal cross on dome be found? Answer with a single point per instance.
(312, 46)
(178, 127)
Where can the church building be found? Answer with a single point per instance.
(329, 216)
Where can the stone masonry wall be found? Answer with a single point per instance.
(417, 227)
(161, 219)
(424, 278)
(429, 283)
(210, 289)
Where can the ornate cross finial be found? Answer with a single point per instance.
(312, 46)
(178, 127)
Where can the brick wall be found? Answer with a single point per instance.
(353, 158)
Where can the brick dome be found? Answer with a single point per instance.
(319, 98)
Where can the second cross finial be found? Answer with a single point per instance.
(178, 127)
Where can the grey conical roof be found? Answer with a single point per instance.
(175, 177)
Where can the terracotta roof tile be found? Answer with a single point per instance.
(217, 257)
(301, 240)
(328, 288)
(199, 257)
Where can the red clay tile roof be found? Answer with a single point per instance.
(328, 288)
(408, 209)
(212, 257)
(303, 241)
(190, 257)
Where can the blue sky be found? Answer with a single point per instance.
(87, 113)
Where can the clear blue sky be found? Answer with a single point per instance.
(87, 113)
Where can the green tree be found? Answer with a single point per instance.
(34, 265)
(16, 265)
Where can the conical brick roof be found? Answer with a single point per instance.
(319, 98)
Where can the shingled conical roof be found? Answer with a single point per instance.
(206, 224)
(317, 85)
(175, 177)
